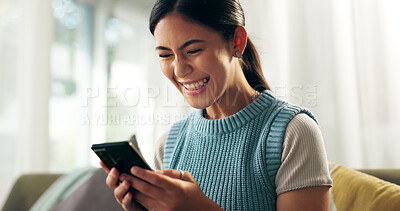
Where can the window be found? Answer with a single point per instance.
(71, 63)
(8, 102)
(106, 83)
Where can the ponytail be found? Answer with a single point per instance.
(252, 70)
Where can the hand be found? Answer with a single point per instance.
(122, 192)
(166, 190)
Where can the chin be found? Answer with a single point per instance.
(196, 103)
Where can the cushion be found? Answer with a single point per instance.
(62, 188)
(94, 195)
(354, 190)
(27, 189)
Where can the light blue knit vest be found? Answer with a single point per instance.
(235, 159)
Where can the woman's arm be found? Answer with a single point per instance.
(303, 179)
(312, 198)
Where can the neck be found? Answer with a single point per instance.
(236, 96)
(231, 102)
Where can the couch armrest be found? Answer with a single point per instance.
(27, 189)
(390, 175)
(355, 190)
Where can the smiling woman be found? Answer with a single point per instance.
(243, 148)
(200, 53)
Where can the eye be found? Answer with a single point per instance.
(165, 55)
(194, 51)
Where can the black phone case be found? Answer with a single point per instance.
(121, 155)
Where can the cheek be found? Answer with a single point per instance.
(164, 69)
(216, 64)
(168, 72)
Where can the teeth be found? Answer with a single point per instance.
(196, 85)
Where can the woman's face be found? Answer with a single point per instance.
(196, 59)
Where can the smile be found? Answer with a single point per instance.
(196, 85)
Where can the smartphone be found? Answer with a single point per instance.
(121, 155)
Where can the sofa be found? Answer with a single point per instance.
(82, 189)
(366, 190)
(85, 189)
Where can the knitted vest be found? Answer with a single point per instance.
(234, 160)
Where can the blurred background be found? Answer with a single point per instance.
(78, 72)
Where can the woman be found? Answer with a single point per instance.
(243, 149)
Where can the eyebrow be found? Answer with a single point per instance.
(186, 44)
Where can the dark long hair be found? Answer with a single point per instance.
(224, 16)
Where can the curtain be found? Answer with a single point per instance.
(340, 59)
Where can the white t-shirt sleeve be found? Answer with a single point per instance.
(159, 152)
(304, 161)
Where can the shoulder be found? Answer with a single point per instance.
(282, 116)
(166, 143)
(302, 135)
(178, 126)
(302, 126)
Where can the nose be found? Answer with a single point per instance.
(181, 67)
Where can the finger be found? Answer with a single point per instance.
(156, 179)
(145, 201)
(179, 174)
(127, 201)
(112, 178)
(121, 191)
(144, 187)
(104, 167)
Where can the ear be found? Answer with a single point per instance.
(239, 40)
